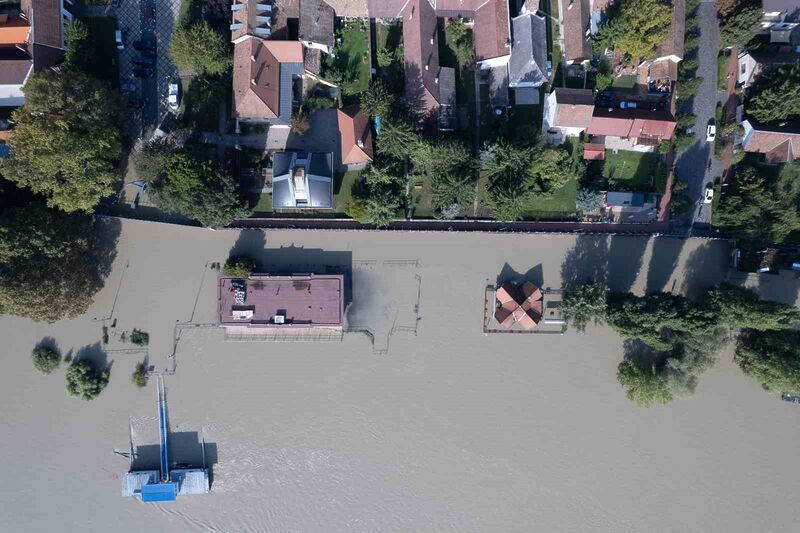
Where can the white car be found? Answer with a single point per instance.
(118, 38)
(708, 195)
(711, 133)
(172, 97)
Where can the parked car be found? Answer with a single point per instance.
(708, 194)
(627, 105)
(711, 133)
(144, 60)
(118, 38)
(128, 87)
(172, 97)
(603, 101)
(794, 398)
(143, 72)
(144, 45)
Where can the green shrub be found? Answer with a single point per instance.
(140, 338)
(84, 381)
(318, 102)
(139, 376)
(45, 360)
(239, 266)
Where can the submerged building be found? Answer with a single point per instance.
(165, 484)
(298, 302)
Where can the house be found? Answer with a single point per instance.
(636, 130)
(489, 21)
(777, 146)
(250, 18)
(316, 25)
(302, 180)
(46, 41)
(631, 207)
(16, 66)
(567, 113)
(527, 67)
(267, 80)
(753, 63)
(355, 132)
(573, 16)
(295, 303)
(663, 70)
(778, 11)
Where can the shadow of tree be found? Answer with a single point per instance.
(663, 260)
(586, 262)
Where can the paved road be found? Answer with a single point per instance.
(693, 164)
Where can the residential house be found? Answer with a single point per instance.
(778, 11)
(425, 95)
(777, 146)
(16, 64)
(250, 18)
(636, 130)
(573, 17)
(302, 180)
(662, 72)
(527, 67)
(267, 80)
(316, 25)
(567, 113)
(753, 63)
(355, 133)
(294, 304)
(47, 19)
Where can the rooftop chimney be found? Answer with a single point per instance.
(360, 143)
(253, 81)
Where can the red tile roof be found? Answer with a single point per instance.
(594, 152)
(256, 75)
(777, 146)
(13, 30)
(354, 126)
(632, 123)
(575, 15)
(673, 43)
(421, 54)
(491, 30)
(574, 107)
(521, 304)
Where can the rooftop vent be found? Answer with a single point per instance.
(279, 319)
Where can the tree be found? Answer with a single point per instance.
(376, 100)
(49, 265)
(740, 20)
(739, 307)
(634, 29)
(771, 358)
(692, 356)
(199, 48)
(151, 160)
(645, 386)
(583, 304)
(192, 185)
(239, 266)
(396, 139)
(378, 208)
(775, 96)
(450, 168)
(552, 168)
(588, 200)
(459, 38)
(66, 143)
(378, 175)
(45, 359)
(139, 376)
(604, 76)
(76, 54)
(509, 187)
(84, 381)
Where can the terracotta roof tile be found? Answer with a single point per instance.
(778, 146)
(632, 123)
(13, 30)
(575, 17)
(574, 108)
(354, 126)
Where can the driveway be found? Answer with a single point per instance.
(693, 165)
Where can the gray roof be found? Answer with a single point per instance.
(289, 71)
(528, 63)
(132, 482)
(15, 65)
(319, 176)
(190, 480)
(629, 199)
(316, 22)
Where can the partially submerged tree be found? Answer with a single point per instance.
(739, 307)
(771, 358)
(239, 266)
(84, 381)
(200, 49)
(45, 359)
(139, 375)
(66, 142)
(645, 386)
(584, 303)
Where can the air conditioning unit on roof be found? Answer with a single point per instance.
(279, 319)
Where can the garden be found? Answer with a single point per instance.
(632, 171)
(350, 66)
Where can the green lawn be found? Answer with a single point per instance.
(352, 57)
(626, 82)
(632, 171)
(723, 60)
(343, 190)
(561, 202)
(421, 206)
(390, 38)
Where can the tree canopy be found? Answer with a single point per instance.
(45, 359)
(50, 264)
(771, 358)
(775, 95)
(740, 20)
(583, 304)
(450, 168)
(66, 143)
(84, 381)
(634, 29)
(239, 266)
(192, 185)
(199, 48)
(739, 307)
(376, 100)
(645, 386)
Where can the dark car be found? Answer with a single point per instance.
(143, 72)
(135, 103)
(794, 398)
(144, 60)
(128, 87)
(144, 46)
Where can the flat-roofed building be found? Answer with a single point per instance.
(296, 302)
(302, 180)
